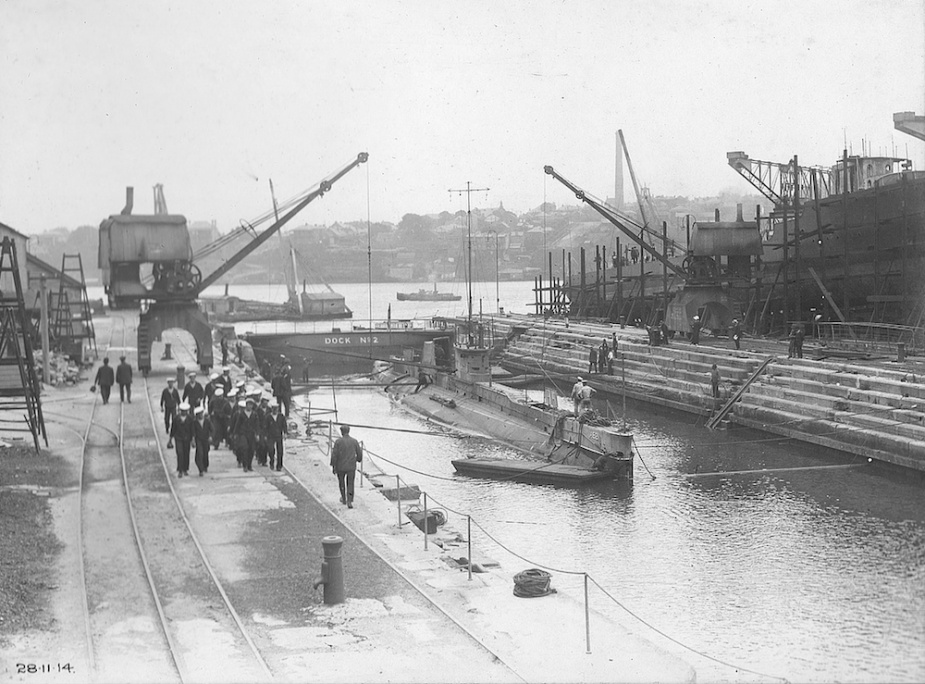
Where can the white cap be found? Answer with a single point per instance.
(580, 378)
(225, 369)
(242, 404)
(219, 392)
(239, 383)
(184, 406)
(197, 410)
(192, 374)
(171, 380)
(214, 376)
(274, 403)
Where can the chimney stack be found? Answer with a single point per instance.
(129, 200)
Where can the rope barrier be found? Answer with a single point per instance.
(679, 643)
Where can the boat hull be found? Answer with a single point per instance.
(352, 351)
(526, 471)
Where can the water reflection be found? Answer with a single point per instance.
(807, 574)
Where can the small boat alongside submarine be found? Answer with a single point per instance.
(572, 449)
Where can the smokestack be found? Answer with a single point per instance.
(129, 200)
(739, 213)
(716, 215)
(618, 176)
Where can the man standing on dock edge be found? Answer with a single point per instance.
(345, 455)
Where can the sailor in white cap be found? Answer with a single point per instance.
(202, 433)
(170, 399)
(245, 434)
(182, 435)
(193, 392)
(276, 428)
(219, 412)
(225, 379)
(576, 393)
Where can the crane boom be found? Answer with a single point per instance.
(322, 188)
(614, 218)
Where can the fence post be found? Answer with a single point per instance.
(425, 521)
(587, 619)
(398, 498)
(469, 535)
(363, 449)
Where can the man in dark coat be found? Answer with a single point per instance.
(592, 360)
(275, 428)
(245, 432)
(182, 435)
(193, 393)
(202, 434)
(695, 331)
(170, 399)
(105, 379)
(285, 390)
(124, 378)
(262, 410)
(219, 413)
(227, 384)
(735, 332)
(224, 346)
(345, 455)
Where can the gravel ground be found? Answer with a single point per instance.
(28, 544)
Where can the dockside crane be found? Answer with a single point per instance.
(624, 224)
(161, 240)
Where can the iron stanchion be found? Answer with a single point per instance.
(398, 498)
(469, 535)
(363, 448)
(587, 619)
(425, 521)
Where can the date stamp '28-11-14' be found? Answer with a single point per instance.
(44, 668)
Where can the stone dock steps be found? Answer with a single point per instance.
(870, 409)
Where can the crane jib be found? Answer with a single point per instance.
(323, 187)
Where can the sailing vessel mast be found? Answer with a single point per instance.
(469, 190)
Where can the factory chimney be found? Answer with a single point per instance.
(618, 176)
(129, 200)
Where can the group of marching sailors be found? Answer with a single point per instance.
(241, 417)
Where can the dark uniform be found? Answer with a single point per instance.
(170, 399)
(182, 435)
(246, 427)
(219, 413)
(275, 428)
(193, 393)
(202, 433)
(285, 391)
(260, 451)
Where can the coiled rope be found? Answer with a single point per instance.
(532, 583)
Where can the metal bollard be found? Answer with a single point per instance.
(181, 378)
(167, 355)
(332, 571)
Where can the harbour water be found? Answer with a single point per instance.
(810, 575)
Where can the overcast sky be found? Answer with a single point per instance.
(212, 99)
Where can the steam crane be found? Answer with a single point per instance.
(160, 243)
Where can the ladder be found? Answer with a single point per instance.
(73, 320)
(19, 384)
(714, 422)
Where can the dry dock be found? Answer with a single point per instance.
(869, 408)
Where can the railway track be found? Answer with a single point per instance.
(154, 609)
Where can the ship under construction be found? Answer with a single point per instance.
(842, 250)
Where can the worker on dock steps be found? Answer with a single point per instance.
(735, 332)
(124, 378)
(586, 392)
(202, 435)
(182, 435)
(170, 399)
(695, 330)
(105, 379)
(193, 393)
(576, 393)
(592, 360)
(345, 455)
(714, 380)
(795, 350)
(275, 428)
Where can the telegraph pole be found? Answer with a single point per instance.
(469, 190)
